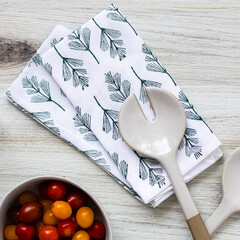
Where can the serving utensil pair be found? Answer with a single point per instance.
(159, 139)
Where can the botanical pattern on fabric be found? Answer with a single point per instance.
(71, 69)
(116, 15)
(145, 83)
(81, 44)
(154, 65)
(109, 115)
(110, 39)
(40, 90)
(83, 122)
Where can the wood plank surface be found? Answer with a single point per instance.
(197, 41)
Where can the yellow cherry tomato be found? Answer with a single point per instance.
(39, 225)
(9, 232)
(61, 210)
(85, 217)
(49, 218)
(27, 197)
(46, 203)
(81, 235)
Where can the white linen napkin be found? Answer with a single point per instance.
(76, 87)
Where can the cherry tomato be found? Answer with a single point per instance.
(9, 232)
(61, 210)
(39, 225)
(77, 199)
(46, 203)
(27, 197)
(56, 190)
(13, 214)
(25, 231)
(66, 228)
(97, 230)
(30, 212)
(48, 233)
(85, 217)
(74, 220)
(49, 218)
(42, 189)
(81, 235)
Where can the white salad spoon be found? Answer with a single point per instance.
(231, 195)
(160, 139)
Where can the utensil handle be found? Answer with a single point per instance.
(222, 213)
(194, 220)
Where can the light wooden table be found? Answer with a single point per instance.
(198, 42)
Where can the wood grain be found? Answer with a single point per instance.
(198, 42)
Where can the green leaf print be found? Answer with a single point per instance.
(36, 59)
(145, 83)
(122, 165)
(190, 143)
(83, 122)
(154, 65)
(110, 115)
(149, 169)
(96, 157)
(41, 91)
(121, 90)
(116, 15)
(71, 69)
(114, 44)
(55, 41)
(78, 43)
(45, 119)
(48, 67)
(192, 114)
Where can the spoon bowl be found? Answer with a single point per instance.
(231, 195)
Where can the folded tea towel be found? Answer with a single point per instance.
(75, 84)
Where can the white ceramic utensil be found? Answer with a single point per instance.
(231, 194)
(159, 139)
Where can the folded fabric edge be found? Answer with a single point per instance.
(123, 185)
(209, 161)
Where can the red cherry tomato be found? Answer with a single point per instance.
(13, 214)
(97, 230)
(66, 228)
(74, 220)
(30, 212)
(25, 231)
(77, 199)
(56, 190)
(42, 189)
(48, 233)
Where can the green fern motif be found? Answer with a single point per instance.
(114, 43)
(116, 15)
(192, 114)
(36, 59)
(149, 169)
(83, 122)
(48, 67)
(110, 115)
(9, 95)
(45, 119)
(122, 165)
(121, 90)
(96, 157)
(81, 45)
(191, 143)
(145, 83)
(154, 65)
(71, 69)
(55, 41)
(41, 90)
